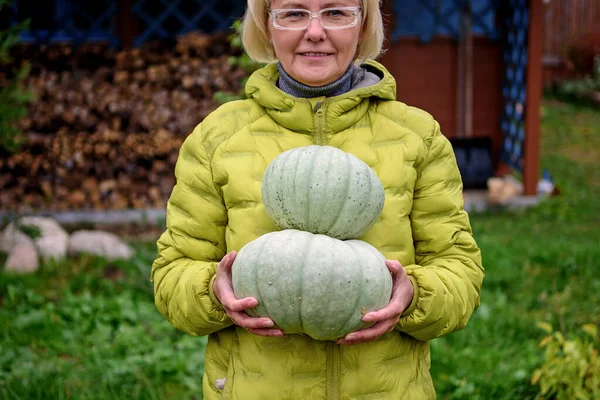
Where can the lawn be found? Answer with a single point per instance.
(88, 329)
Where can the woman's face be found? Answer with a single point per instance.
(315, 56)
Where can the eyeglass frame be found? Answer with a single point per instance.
(355, 10)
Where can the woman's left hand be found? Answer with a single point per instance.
(385, 319)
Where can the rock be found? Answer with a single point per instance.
(11, 237)
(100, 243)
(51, 244)
(502, 190)
(23, 259)
(495, 186)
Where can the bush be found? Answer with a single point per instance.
(242, 61)
(13, 97)
(572, 367)
(582, 89)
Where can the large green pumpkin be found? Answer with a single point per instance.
(312, 284)
(322, 189)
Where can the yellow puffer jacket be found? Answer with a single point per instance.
(216, 207)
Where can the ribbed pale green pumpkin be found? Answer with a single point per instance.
(312, 284)
(322, 189)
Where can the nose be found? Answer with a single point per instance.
(315, 30)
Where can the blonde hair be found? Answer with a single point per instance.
(256, 40)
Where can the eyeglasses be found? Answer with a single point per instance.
(330, 18)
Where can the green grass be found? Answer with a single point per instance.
(541, 264)
(87, 329)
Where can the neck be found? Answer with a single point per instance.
(298, 89)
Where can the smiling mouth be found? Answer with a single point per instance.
(314, 54)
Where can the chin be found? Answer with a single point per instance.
(316, 83)
(316, 80)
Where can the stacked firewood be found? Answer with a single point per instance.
(106, 126)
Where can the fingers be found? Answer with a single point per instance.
(235, 310)
(230, 302)
(368, 334)
(394, 266)
(386, 318)
(396, 305)
(400, 300)
(227, 261)
(234, 307)
(256, 326)
(393, 309)
(223, 286)
(247, 322)
(267, 332)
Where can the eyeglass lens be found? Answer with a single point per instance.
(330, 18)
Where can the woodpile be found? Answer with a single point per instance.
(106, 126)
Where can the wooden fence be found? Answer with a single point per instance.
(568, 24)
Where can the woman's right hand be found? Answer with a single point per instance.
(223, 290)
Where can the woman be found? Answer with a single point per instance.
(324, 89)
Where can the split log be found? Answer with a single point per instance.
(106, 126)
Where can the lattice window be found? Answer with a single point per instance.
(161, 19)
(67, 21)
(514, 87)
(427, 18)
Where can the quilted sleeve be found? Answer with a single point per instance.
(448, 273)
(192, 245)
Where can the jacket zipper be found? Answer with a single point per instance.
(319, 123)
(333, 371)
(333, 349)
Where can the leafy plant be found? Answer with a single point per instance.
(13, 97)
(30, 230)
(583, 88)
(571, 369)
(242, 61)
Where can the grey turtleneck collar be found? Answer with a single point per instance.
(300, 90)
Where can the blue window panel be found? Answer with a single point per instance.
(520, 78)
(427, 18)
(514, 92)
(510, 73)
(77, 21)
(67, 21)
(515, 83)
(484, 18)
(413, 18)
(514, 129)
(165, 19)
(521, 38)
(521, 134)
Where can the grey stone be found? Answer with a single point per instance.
(10, 237)
(100, 243)
(22, 259)
(52, 243)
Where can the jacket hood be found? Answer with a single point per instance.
(341, 111)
